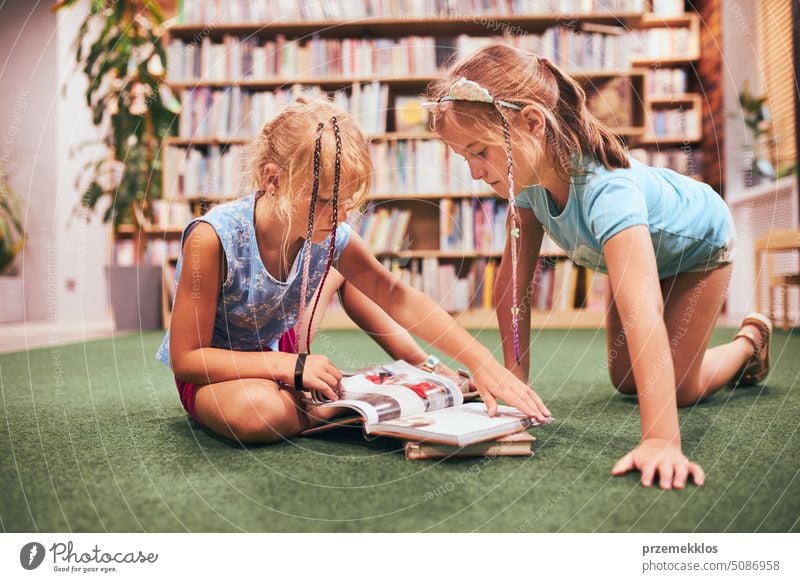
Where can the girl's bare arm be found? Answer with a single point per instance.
(192, 325)
(634, 281)
(421, 316)
(531, 234)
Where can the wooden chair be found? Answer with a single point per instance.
(777, 241)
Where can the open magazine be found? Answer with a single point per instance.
(402, 401)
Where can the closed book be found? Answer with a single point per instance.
(518, 444)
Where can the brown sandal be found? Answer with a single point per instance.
(756, 368)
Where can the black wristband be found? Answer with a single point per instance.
(298, 371)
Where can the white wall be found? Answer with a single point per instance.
(62, 264)
(757, 208)
(740, 64)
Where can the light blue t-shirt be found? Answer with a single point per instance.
(690, 225)
(253, 308)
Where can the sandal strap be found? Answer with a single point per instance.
(757, 343)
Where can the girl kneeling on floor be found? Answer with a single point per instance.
(665, 240)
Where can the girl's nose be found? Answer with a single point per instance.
(476, 170)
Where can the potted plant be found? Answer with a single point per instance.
(120, 51)
(757, 120)
(12, 239)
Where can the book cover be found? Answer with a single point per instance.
(409, 115)
(518, 444)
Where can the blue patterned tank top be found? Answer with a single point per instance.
(253, 308)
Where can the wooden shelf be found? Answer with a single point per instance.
(659, 62)
(650, 20)
(677, 99)
(439, 254)
(476, 319)
(436, 253)
(222, 141)
(326, 82)
(380, 137)
(393, 27)
(426, 210)
(388, 197)
(128, 232)
(671, 140)
(411, 197)
(397, 81)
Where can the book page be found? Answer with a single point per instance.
(382, 393)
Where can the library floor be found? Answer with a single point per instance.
(94, 439)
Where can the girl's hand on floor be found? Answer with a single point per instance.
(321, 375)
(493, 382)
(663, 457)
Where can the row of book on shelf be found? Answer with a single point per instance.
(210, 172)
(684, 160)
(666, 81)
(235, 113)
(595, 47)
(214, 173)
(677, 123)
(402, 167)
(258, 11)
(465, 225)
(471, 225)
(156, 253)
(384, 229)
(457, 286)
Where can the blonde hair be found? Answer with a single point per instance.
(288, 142)
(522, 78)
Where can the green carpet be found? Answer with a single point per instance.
(94, 439)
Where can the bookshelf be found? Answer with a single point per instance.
(233, 67)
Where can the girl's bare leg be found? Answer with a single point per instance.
(692, 304)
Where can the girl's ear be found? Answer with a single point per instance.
(534, 120)
(271, 172)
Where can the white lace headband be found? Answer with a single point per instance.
(466, 90)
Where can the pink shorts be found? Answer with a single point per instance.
(187, 391)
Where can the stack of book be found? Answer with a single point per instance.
(518, 444)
